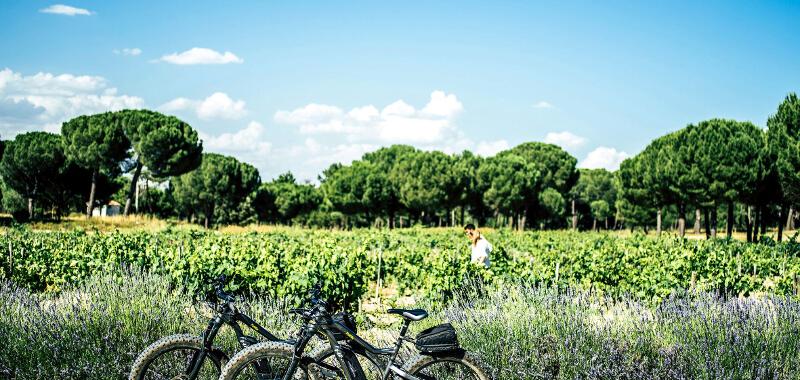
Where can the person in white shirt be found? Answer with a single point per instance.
(481, 248)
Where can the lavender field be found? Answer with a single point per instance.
(95, 330)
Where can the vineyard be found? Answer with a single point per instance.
(554, 304)
(427, 263)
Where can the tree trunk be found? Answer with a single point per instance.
(147, 196)
(606, 223)
(714, 221)
(30, 208)
(90, 206)
(391, 219)
(594, 224)
(461, 219)
(730, 220)
(209, 215)
(707, 223)
(524, 220)
(749, 223)
(574, 216)
(763, 221)
(790, 219)
(757, 224)
(658, 222)
(697, 221)
(132, 189)
(681, 220)
(781, 213)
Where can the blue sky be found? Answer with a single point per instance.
(300, 85)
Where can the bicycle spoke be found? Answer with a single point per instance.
(446, 370)
(268, 368)
(175, 365)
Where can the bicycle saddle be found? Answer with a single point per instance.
(412, 314)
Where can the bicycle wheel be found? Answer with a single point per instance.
(172, 357)
(372, 370)
(447, 366)
(262, 361)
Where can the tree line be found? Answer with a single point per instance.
(750, 175)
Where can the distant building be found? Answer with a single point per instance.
(113, 208)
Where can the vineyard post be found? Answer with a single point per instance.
(10, 258)
(558, 265)
(378, 283)
(796, 284)
(694, 281)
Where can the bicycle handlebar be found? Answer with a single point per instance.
(219, 289)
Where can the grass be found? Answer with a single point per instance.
(96, 329)
(153, 224)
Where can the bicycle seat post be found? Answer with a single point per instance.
(404, 329)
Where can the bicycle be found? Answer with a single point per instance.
(189, 357)
(439, 357)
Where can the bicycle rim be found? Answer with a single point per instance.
(372, 370)
(268, 366)
(447, 369)
(175, 364)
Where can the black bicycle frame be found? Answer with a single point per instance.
(355, 344)
(231, 319)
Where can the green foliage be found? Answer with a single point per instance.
(96, 142)
(510, 182)
(217, 189)
(552, 202)
(784, 144)
(593, 185)
(164, 144)
(556, 170)
(423, 180)
(36, 167)
(32, 166)
(432, 263)
(519, 331)
(286, 199)
(600, 209)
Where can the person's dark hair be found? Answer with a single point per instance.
(469, 227)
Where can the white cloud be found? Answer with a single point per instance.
(565, 139)
(251, 139)
(335, 135)
(66, 10)
(442, 104)
(603, 157)
(490, 148)
(128, 51)
(543, 105)
(310, 114)
(44, 100)
(201, 56)
(216, 106)
(398, 122)
(398, 108)
(364, 114)
(308, 159)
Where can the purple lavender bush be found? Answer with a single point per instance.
(96, 329)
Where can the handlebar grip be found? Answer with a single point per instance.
(224, 296)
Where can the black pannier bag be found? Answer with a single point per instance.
(348, 321)
(441, 338)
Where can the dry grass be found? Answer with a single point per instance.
(107, 224)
